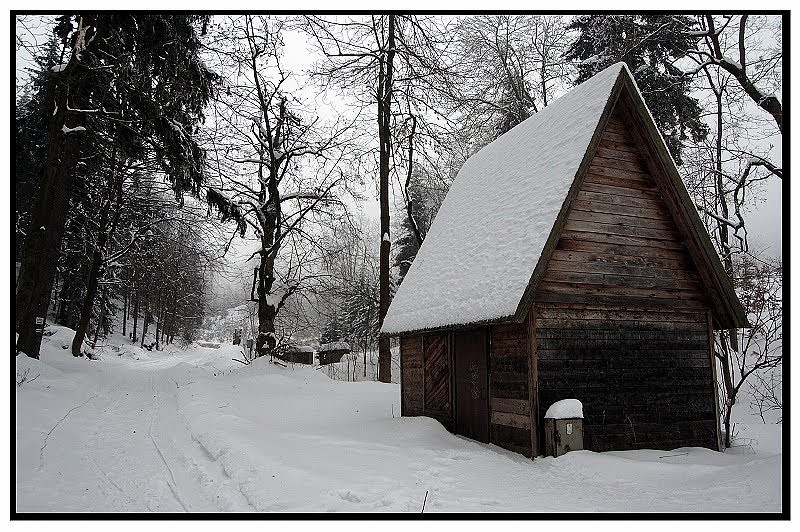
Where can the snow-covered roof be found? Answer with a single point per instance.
(299, 349)
(479, 255)
(334, 346)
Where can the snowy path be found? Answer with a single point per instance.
(193, 431)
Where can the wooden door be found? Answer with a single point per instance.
(472, 385)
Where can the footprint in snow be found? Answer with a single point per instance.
(349, 496)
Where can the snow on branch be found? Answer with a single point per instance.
(77, 129)
(227, 208)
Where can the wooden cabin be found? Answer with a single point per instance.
(297, 354)
(331, 353)
(568, 261)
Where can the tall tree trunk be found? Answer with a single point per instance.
(724, 231)
(107, 229)
(91, 288)
(730, 390)
(159, 322)
(171, 336)
(146, 317)
(267, 310)
(56, 290)
(727, 261)
(63, 302)
(135, 314)
(165, 315)
(70, 307)
(163, 321)
(99, 323)
(39, 256)
(125, 302)
(384, 136)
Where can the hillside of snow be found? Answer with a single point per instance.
(189, 430)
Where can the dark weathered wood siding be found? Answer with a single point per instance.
(411, 387)
(426, 378)
(437, 377)
(510, 390)
(427, 382)
(621, 314)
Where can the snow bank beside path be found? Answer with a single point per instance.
(190, 430)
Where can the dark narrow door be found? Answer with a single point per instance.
(472, 394)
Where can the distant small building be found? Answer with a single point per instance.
(298, 354)
(568, 261)
(332, 352)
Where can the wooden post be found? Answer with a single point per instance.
(422, 344)
(533, 388)
(402, 380)
(713, 360)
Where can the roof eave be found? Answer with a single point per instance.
(451, 327)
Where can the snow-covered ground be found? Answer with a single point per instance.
(190, 430)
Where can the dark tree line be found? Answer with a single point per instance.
(116, 102)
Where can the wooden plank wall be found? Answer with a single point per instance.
(621, 319)
(509, 387)
(411, 386)
(438, 378)
(426, 378)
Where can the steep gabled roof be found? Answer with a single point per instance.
(495, 232)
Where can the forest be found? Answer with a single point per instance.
(184, 178)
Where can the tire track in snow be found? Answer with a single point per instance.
(174, 485)
(46, 436)
(199, 478)
(223, 477)
(100, 472)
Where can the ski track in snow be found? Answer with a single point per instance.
(47, 436)
(172, 432)
(173, 485)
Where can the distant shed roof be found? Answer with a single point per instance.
(477, 262)
(334, 346)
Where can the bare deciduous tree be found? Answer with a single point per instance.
(725, 172)
(277, 166)
(392, 62)
(510, 67)
(760, 348)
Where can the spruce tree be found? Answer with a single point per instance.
(128, 85)
(650, 45)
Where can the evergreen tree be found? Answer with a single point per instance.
(30, 145)
(650, 45)
(332, 332)
(406, 244)
(131, 85)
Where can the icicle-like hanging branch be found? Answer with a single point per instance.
(228, 209)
